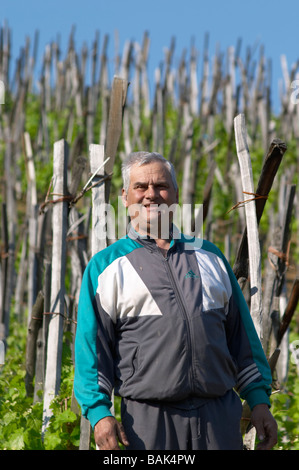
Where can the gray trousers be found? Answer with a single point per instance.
(214, 425)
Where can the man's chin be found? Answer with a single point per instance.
(153, 229)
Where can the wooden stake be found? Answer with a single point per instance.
(269, 170)
(251, 221)
(289, 311)
(114, 129)
(253, 240)
(4, 273)
(55, 331)
(33, 330)
(98, 241)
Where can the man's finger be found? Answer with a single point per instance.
(121, 434)
(268, 442)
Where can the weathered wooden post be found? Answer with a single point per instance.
(55, 330)
(31, 346)
(4, 271)
(253, 239)
(268, 173)
(193, 82)
(114, 128)
(32, 209)
(278, 253)
(289, 311)
(99, 219)
(144, 79)
(251, 222)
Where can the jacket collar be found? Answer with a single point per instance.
(150, 242)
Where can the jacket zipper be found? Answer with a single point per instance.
(184, 313)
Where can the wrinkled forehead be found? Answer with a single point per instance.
(148, 172)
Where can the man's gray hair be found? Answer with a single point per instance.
(143, 158)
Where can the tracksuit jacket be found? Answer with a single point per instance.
(158, 328)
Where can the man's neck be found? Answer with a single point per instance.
(163, 245)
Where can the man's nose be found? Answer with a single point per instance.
(151, 192)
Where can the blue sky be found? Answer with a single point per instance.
(271, 23)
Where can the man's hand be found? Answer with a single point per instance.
(107, 432)
(265, 425)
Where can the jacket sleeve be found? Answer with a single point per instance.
(91, 393)
(254, 375)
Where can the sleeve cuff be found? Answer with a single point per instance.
(97, 413)
(257, 397)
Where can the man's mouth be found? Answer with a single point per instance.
(151, 206)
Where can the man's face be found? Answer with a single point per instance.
(151, 188)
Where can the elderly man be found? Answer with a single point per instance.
(162, 321)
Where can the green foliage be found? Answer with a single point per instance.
(285, 405)
(286, 413)
(20, 419)
(64, 431)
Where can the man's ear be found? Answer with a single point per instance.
(124, 197)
